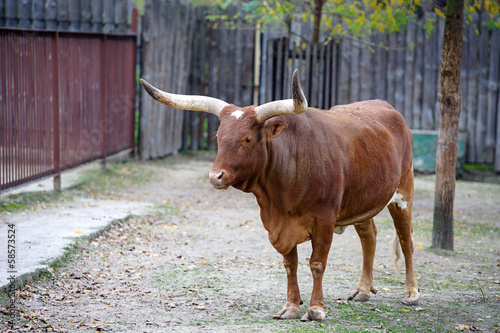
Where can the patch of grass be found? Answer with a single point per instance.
(23, 201)
(480, 167)
(114, 178)
(99, 183)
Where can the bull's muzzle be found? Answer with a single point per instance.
(218, 179)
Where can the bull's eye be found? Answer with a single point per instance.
(248, 140)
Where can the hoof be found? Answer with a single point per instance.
(410, 298)
(290, 312)
(361, 296)
(314, 313)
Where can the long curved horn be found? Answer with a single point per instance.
(185, 102)
(288, 106)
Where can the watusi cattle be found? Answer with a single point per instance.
(315, 172)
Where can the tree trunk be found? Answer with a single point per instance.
(450, 107)
(318, 9)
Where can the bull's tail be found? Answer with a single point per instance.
(396, 252)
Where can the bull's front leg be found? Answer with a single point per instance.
(291, 309)
(321, 242)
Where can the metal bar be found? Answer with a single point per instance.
(102, 86)
(55, 112)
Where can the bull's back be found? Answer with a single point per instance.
(360, 151)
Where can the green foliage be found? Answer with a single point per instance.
(355, 18)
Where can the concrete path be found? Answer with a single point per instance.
(37, 238)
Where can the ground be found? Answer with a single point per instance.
(203, 263)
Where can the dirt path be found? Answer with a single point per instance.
(205, 265)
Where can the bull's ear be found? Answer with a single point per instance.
(273, 128)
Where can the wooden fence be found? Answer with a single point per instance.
(74, 15)
(183, 53)
(402, 68)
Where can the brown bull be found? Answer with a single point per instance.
(315, 172)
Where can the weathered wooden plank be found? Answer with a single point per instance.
(366, 77)
(287, 70)
(391, 68)
(482, 89)
(11, 19)
(464, 79)
(120, 15)
(74, 15)
(430, 75)
(497, 145)
(409, 72)
(62, 15)
(50, 13)
(399, 72)
(313, 94)
(238, 65)
(24, 14)
(439, 49)
(278, 78)
(472, 93)
(267, 94)
(96, 8)
(418, 78)
(493, 93)
(109, 14)
(308, 73)
(336, 78)
(355, 73)
(86, 15)
(2, 12)
(212, 87)
(345, 65)
(328, 76)
(38, 14)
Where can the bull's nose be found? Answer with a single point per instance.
(217, 178)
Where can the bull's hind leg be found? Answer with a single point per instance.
(400, 209)
(291, 309)
(367, 233)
